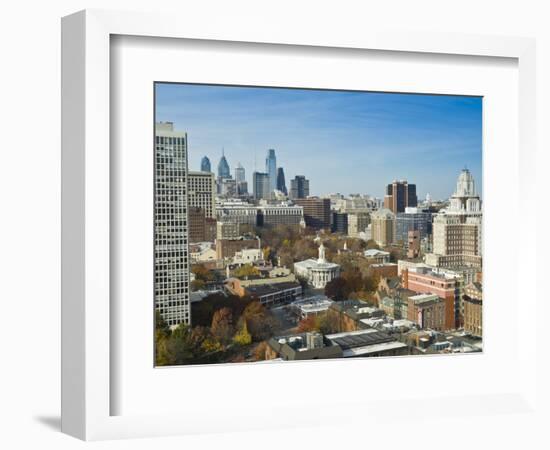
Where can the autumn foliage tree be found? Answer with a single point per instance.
(309, 324)
(202, 312)
(222, 325)
(242, 337)
(245, 271)
(259, 322)
(259, 351)
(351, 284)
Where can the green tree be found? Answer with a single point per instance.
(160, 325)
(179, 348)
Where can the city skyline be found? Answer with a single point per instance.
(379, 137)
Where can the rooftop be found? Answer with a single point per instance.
(364, 342)
(375, 252)
(313, 304)
(266, 289)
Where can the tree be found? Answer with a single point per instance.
(203, 311)
(308, 324)
(328, 323)
(371, 244)
(222, 325)
(161, 326)
(243, 337)
(179, 348)
(260, 324)
(336, 289)
(198, 285)
(259, 351)
(245, 271)
(202, 273)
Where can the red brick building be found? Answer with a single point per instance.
(424, 281)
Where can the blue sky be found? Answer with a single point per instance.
(347, 142)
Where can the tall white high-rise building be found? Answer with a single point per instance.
(457, 231)
(171, 229)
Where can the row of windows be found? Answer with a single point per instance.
(170, 140)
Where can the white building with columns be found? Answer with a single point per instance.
(317, 272)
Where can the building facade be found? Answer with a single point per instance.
(375, 256)
(281, 214)
(318, 272)
(171, 225)
(413, 219)
(260, 185)
(413, 244)
(358, 223)
(227, 248)
(240, 174)
(456, 241)
(271, 169)
(473, 309)
(425, 281)
(339, 222)
(202, 192)
(428, 311)
(281, 183)
(316, 212)
(299, 187)
(205, 164)
(457, 230)
(383, 226)
(236, 211)
(399, 195)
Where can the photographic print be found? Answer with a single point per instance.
(301, 224)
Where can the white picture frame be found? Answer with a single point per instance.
(87, 386)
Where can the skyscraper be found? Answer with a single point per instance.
(457, 231)
(271, 169)
(260, 185)
(205, 164)
(239, 173)
(171, 227)
(299, 187)
(399, 195)
(281, 184)
(223, 168)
